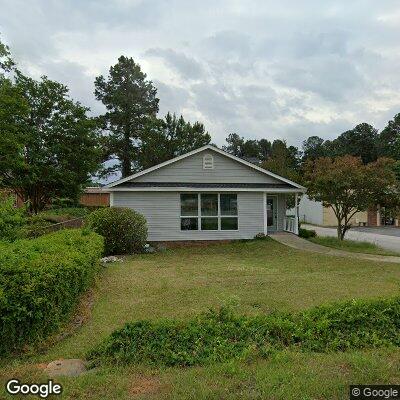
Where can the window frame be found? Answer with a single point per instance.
(199, 216)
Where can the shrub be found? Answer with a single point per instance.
(221, 336)
(41, 281)
(307, 233)
(124, 230)
(62, 214)
(12, 220)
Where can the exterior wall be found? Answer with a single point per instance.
(373, 217)
(190, 169)
(162, 211)
(329, 218)
(311, 211)
(95, 199)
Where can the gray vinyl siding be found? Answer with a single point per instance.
(190, 169)
(162, 211)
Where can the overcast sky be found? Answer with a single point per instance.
(275, 69)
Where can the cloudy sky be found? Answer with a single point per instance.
(275, 69)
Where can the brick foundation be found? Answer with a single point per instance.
(188, 243)
(372, 217)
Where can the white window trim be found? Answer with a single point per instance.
(199, 216)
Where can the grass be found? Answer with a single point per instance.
(253, 277)
(352, 245)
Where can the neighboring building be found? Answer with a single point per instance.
(313, 212)
(207, 194)
(95, 197)
(91, 197)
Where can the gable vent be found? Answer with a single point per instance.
(208, 161)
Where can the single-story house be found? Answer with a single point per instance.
(313, 212)
(207, 194)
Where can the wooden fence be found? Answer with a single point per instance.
(71, 223)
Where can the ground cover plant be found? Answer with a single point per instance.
(41, 281)
(219, 336)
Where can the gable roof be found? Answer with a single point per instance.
(200, 149)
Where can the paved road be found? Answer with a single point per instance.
(296, 242)
(383, 230)
(385, 237)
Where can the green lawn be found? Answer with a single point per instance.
(253, 277)
(352, 245)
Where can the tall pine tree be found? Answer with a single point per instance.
(130, 99)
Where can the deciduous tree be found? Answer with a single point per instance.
(48, 146)
(348, 186)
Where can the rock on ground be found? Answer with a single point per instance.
(71, 367)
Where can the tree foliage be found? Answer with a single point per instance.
(389, 139)
(283, 161)
(49, 146)
(361, 141)
(348, 186)
(314, 148)
(163, 139)
(255, 150)
(130, 99)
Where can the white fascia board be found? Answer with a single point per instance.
(205, 189)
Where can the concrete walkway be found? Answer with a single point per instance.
(298, 243)
(377, 237)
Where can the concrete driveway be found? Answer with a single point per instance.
(385, 237)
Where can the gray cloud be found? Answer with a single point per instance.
(265, 69)
(186, 66)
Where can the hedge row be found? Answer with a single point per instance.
(221, 336)
(41, 281)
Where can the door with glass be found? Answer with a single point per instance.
(272, 213)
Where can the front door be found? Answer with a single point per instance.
(272, 213)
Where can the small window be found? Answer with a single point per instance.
(208, 161)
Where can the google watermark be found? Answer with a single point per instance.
(43, 390)
(374, 392)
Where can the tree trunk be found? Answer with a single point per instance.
(126, 157)
(126, 167)
(339, 231)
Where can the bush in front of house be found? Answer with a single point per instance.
(41, 281)
(307, 233)
(124, 230)
(222, 336)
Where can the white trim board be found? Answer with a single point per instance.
(207, 147)
(204, 189)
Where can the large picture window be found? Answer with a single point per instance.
(209, 212)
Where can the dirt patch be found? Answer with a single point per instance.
(146, 385)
